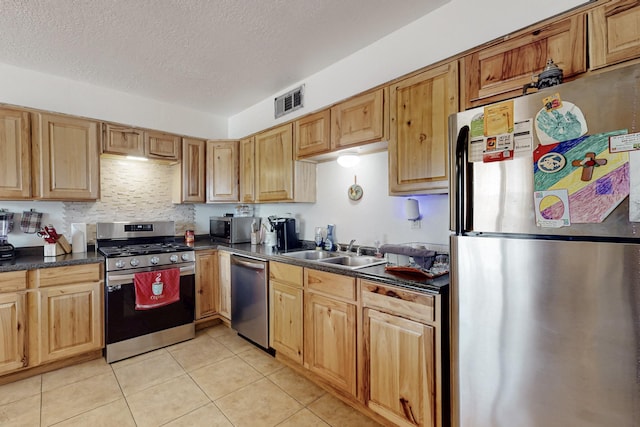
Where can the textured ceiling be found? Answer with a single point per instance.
(217, 56)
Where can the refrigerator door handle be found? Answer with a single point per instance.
(462, 184)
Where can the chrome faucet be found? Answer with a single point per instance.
(350, 245)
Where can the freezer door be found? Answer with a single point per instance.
(545, 333)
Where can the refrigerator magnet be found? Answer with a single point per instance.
(552, 208)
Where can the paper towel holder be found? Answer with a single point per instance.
(412, 210)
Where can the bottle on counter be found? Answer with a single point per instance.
(329, 243)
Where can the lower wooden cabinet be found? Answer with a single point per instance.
(65, 312)
(224, 284)
(330, 322)
(13, 316)
(207, 294)
(286, 310)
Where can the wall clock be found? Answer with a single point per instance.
(355, 191)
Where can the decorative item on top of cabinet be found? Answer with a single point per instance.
(614, 33)
(15, 161)
(501, 70)
(247, 170)
(161, 145)
(224, 282)
(222, 171)
(65, 157)
(13, 316)
(278, 177)
(418, 143)
(189, 179)
(330, 328)
(402, 355)
(286, 310)
(122, 140)
(312, 134)
(360, 120)
(207, 293)
(65, 312)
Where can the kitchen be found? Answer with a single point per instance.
(393, 227)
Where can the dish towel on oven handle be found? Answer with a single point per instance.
(156, 288)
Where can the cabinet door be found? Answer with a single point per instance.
(13, 352)
(222, 171)
(274, 164)
(123, 140)
(400, 371)
(358, 120)
(330, 340)
(162, 146)
(224, 282)
(15, 155)
(206, 284)
(614, 33)
(418, 144)
(247, 170)
(65, 157)
(68, 320)
(192, 172)
(286, 320)
(312, 134)
(499, 72)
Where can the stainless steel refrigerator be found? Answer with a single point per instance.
(545, 273)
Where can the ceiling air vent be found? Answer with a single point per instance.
(290, 101)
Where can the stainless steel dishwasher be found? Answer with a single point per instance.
(250, 298)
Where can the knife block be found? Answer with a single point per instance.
(61, 247)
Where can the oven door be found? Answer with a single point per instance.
(123, 321)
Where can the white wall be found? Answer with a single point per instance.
(455, 27)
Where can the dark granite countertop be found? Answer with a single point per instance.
(377, 273)
(32, 258)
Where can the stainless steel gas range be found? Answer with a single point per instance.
(134, 251)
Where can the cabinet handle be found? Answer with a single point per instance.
(408, 413)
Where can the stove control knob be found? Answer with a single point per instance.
(173, 258)
(154, 260)
(120, 264)
(185, 257)
(134, 262)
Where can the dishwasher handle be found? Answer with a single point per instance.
(248, 263)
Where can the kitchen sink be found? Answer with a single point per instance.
(338, 259)
(312, 255)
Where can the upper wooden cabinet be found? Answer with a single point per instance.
(222, 171)
(312, 134)
(190, 180)
(122, 140)
(418, 143)
(500, 71)
(278, 178)
(359, 120)
(65, 157)
(161, 145)
(15, 155)
(614, 33)
(247, 170)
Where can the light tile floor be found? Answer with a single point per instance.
(216, 379)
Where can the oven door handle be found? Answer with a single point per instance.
(114, 281)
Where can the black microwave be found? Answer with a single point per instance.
(232, 229)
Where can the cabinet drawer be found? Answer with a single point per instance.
(286, 273)
(405, 303)
(13, 281)
(330, 284)
(65, 275)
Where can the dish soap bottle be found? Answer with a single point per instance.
(329, 243)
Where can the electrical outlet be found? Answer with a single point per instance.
(417, 224)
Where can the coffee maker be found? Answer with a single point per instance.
(7, 251)
(286, 236)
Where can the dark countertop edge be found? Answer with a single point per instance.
(377, 273)
(32, 258)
